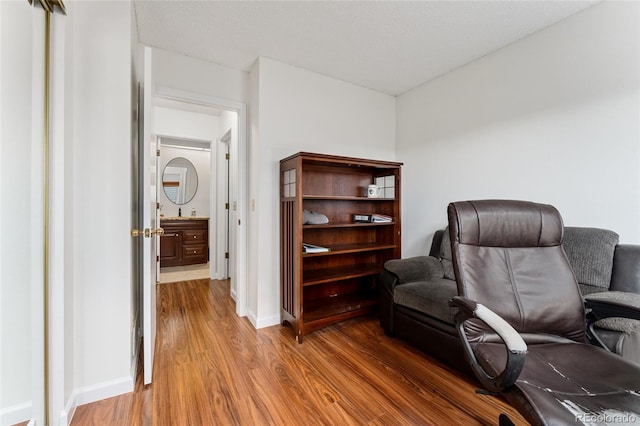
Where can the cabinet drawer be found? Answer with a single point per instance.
(194, 251)
(194, 236)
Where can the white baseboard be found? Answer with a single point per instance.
(104, 390)
(264, 321)
(233, 294)
(69, 410)
(251, 316)
(97, 392)
(16, 413)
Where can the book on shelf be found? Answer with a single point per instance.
(372, 218)
(310, 248)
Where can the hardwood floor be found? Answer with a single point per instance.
(212, 367)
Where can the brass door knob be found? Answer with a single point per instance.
(140, 233)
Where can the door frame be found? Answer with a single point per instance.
(238, 174)
(221, 204)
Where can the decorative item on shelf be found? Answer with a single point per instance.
(372, 218)
(310, 248)
(387, 185)
(313, 218)
(373, 191)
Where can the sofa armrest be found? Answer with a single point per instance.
(620, 311)
(613, 304)
(626, 269)
(419, 268)
(400, 271)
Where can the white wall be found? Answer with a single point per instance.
(299, 110)
(201, 160)
(552, 118)
(102, 250)
(21, 213)
(185, 124)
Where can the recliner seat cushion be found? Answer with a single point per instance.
(547, 369)
(429, 297)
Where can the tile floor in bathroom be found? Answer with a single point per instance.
(184, 273)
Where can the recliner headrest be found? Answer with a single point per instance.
(505, 223)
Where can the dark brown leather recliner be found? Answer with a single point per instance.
(522, 318)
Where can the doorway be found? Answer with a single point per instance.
(187, 197)
(228, 195)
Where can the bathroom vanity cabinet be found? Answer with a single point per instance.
(185, 241)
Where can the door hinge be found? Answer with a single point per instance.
(157, 258)
(226, 206)
(226, 255)
(226, 156)
(157, 206)
(157, 153)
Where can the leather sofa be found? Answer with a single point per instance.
(415, 293)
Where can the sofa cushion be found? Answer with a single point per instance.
(590, 253)
(586, 289)
(445, 255)
(418, 268)
(429, 297)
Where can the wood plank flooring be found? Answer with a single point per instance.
(213, 368)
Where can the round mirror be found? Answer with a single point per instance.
(180, 180)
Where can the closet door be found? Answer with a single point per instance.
(22, 228)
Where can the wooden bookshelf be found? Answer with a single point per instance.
(319, 289)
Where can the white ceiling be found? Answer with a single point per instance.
(388, 46)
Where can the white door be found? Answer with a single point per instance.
(148, 165)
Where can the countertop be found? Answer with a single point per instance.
(183, 218)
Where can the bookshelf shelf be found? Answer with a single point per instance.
(340, 249)
(348, 225)
(315, 277)
(343, 198)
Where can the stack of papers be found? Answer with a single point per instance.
(310, 248)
